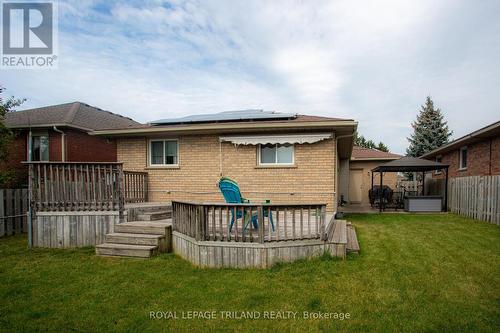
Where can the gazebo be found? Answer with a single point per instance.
(412, 164)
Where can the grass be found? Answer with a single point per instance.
(434, 273)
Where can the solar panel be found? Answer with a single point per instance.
(251, 114)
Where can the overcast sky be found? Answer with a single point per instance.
(372, 61)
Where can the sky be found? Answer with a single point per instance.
(371, 61)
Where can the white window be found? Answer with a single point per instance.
(39, 148)
(276, 154)
(463, 158)
(439, 158)
(163, 152)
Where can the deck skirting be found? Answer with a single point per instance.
(73, 229)
(250, 255)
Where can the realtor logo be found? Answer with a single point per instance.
(28, 34)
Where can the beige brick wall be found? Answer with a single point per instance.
(390, 178)
(310, 180)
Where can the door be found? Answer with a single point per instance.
(355, 182)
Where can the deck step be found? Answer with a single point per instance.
(153, 216)
(143, 227)
(339, 235)
(126, 250)
(151, 209)
(352, 240)
(138, 239)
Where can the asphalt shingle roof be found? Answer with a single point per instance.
(367, 153)
(76, 114)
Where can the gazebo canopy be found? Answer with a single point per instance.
(410, 164)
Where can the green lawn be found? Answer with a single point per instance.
(416, 273)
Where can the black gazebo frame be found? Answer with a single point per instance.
(412, 164)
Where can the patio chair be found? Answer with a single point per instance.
(231, 192)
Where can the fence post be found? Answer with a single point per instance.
(31, 211)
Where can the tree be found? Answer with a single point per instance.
(360, 141)
(6, 136)
(382, 147)
(430, 131)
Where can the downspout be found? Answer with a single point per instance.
(63, 144)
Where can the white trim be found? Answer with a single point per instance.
(276, 139)
(150, 165)
(259, 163)
(460, 167)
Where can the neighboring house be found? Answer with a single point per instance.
(286, 158)
(61, 133)
(357, 176)
(475, 154)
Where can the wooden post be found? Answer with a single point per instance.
(260, 217)
(146, 190)
(323, 220)
(372, 181)
(380, 194)
(121, 194)
(30, 206)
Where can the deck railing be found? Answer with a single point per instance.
(75, 186)
(136, 186)
(249, 222)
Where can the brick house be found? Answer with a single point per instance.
(474, 154)
(281, 157)
(61, 133)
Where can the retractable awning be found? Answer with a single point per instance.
(276, 139)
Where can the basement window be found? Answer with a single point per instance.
(276, 154)
(163, 152)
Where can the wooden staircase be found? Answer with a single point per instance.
(343, 232)
(149, 235)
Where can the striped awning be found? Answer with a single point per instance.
(276, 139)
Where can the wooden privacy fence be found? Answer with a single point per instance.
(136, 186)
(476, 197)
(212, 221)
(13, 208)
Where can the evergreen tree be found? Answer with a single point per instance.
(361, 141)
(382, 147)
(430, 131)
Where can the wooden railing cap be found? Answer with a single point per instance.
(251, 204)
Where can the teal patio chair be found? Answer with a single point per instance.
(231, 192)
